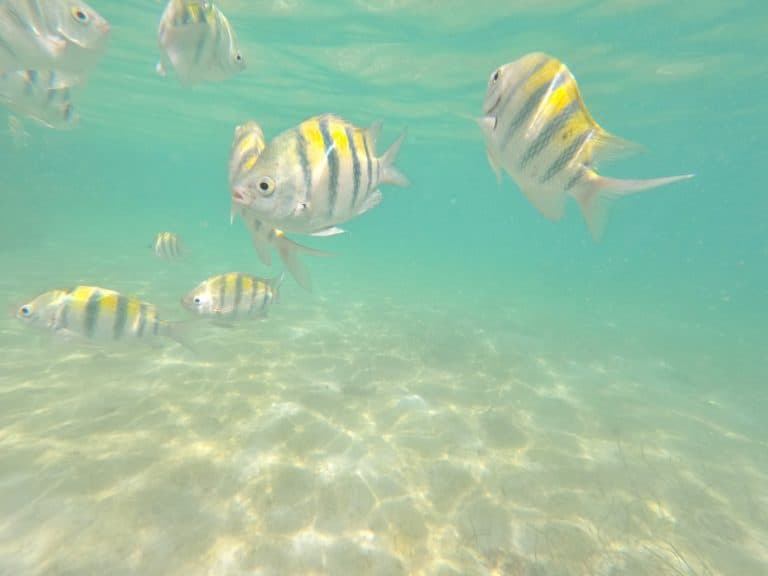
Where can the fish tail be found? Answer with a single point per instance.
(179, 333)
(276, 282)
(289, 251)
(595, 196)
(389, 173)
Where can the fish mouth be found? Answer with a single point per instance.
(493, 107)
(240, 196)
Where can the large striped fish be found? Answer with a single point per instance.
(247, 145)
(321, 173)
(39, 96)
(233, 295)
(198, 41)
(67, 36)
(538, 129)
(96, 314)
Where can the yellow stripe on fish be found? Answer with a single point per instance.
(231, 295)
(538, 129)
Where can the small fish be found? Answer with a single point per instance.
(67, 36)
(233, 295)
(95, 314)
(198, 41)
(321, 173)
(247, 145)
(39, 96)
(538, 129)
(167, 246)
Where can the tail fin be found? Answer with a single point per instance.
(178, 331)
(390, 174)
(276, 282)
(288, 250)
(596, 194)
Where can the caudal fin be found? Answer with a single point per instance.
(289, 251)
(390, 174)
(597, 193)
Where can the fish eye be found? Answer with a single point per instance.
(196, 299)
(79, 14)
(25, 310)
(239, 57)
(495, 75)
(266, 186)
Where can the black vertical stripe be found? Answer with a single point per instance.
(368, 165)
(355, 166)
(155, 325)
(567, 155)
(523, 115)
(222, 292)
(550, 129)
(511, 91)
(142, 320)
(121, 315)
(238, 293)
(575, 179)
(91, 317)
(301, 150)
(332, 156)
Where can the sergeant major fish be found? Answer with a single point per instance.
(247, 145)
(538, 129)
(321, 173)
(67, 36)
(167, 246)
(38, 95)
(232, 295)
(198, 41)
(96, 314)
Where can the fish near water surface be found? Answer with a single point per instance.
(319, 174)
(66, 36)
(233, 295)
(537, 129)
(247, 145)
(198, 42)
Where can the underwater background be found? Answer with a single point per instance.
(469, 388)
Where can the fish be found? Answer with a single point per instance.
(537, 128)
(247, 144)
(323, 172)
(233, 295)
(198, 42)
(39, 96)
(67, 36)
(95, 314)
(167, 245)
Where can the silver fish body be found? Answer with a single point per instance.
(232, 295)
(39, 96)
(319, 174)
(167, 246)
(198, 42)
(66, 36)
(95, 314)
(539, 131)
(247, 145)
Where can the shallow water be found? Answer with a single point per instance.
(469, 389)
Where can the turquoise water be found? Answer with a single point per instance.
(469, 389)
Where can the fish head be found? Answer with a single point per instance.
(247, 145)
(80, 25)
(42, 310)
(273, 188)
(199, 300)
(507, 78)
